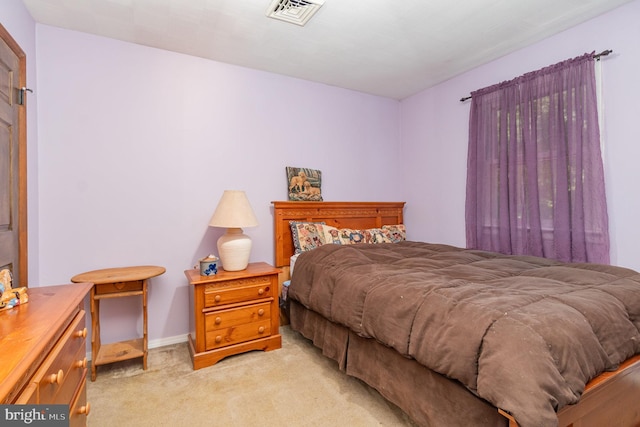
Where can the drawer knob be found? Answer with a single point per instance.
(81, 363)
(261, 330)
(82, 333)
(56, 378)
(260, 291)
(218, 339)
(217, 298)
(261, 312)
(85, 409)
(218, 320)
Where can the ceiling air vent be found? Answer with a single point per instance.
(294, 11)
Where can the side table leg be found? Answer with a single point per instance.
(144, 325)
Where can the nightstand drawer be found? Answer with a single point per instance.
(223, 319)
(237, 334)
(252, 289)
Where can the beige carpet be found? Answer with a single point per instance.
(292, 386)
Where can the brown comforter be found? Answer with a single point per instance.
(524, 333)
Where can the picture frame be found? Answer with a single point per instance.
(304, 184)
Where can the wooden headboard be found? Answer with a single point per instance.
(359, 215)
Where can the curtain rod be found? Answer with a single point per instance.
(596, 57)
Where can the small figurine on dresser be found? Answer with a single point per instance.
(10, 297)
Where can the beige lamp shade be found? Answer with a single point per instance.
(234, 212)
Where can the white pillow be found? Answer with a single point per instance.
(292, 262)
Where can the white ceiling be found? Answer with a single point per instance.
(391, 48)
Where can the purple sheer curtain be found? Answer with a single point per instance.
(535, 180)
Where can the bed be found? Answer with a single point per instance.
(369, 348)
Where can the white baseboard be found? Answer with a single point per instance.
(160, 342)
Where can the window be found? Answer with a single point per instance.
(535, 183)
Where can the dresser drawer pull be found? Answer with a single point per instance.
(260, 291)
(261, 330)
(81, 334)
(85, 409)
(217, 298)
(218, 320)
(56, 378)
(218, 339)
(81, 363)
(261, 312)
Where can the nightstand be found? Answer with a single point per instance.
(233, 312)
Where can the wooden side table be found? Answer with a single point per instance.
(233, 312)
(117, 283)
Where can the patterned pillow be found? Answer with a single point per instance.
(351, 236)
(333, 235)
(377, 235)
(397, 233)
(311, 235)
(306, 235)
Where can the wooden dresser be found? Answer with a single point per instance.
(43, 350)
(233, 312)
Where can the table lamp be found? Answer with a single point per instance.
(234, 212)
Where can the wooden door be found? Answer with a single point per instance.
(13, 200)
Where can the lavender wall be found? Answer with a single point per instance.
(18, 22)
(137, 145)
(435, 125)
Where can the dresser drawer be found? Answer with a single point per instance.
(73, 376)
(79, 408)
(238, 291)
(57, 372)
(29, 395)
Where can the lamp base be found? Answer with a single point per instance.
(234, 249)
